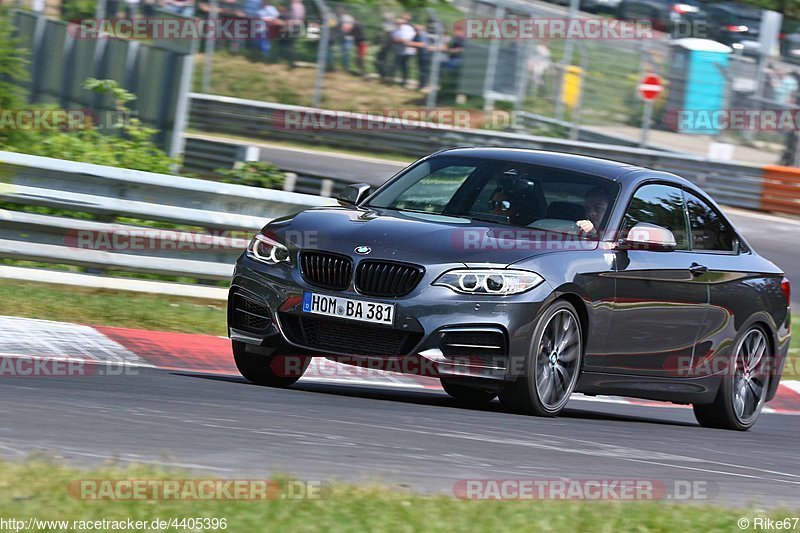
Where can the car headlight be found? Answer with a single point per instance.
(267, 250)
(489, 281)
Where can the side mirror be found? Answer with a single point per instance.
(353, 194)
(644, 236)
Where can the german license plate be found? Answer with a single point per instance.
(336, 306)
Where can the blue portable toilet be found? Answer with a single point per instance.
(696, 85)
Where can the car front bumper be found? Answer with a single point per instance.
(436, 331)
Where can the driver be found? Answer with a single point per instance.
(501, 203)
(595, 204)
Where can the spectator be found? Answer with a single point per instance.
(184, 8)
(268, 14)
(361, 47)
(455, 49)
(423, 42)
(289, 29)
(785, 87)
(347, 38)
(384, 59)
(404, 49)
(298, 13)
(149, 8)
(131, 9)
(538, 66)
(789, 157)
(112, 9)
(336, 39)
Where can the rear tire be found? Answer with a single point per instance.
(466, 394)
(743, 389)
(552, 365)
(276, 370)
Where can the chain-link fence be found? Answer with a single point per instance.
(348, 51)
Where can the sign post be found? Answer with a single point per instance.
(649, 88)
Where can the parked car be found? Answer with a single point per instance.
(524, 274)
(790, 40)
(735, 25)
(593, 6)
(677, 18)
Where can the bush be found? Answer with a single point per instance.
(254, 174)
(131, 147)
(13, 75)
(78, 9)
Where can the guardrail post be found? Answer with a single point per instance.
(437, 59)
(491, 62)
(322, 51)
(210, 47)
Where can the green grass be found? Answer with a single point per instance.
(112, 308)
(39, 489)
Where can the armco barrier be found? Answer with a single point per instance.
(214, 220)
(781, 189)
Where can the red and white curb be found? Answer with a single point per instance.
(58, 341)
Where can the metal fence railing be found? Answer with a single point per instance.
(130, 221)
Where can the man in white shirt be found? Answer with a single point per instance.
(403, 36)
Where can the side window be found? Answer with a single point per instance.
(709, 230)
(661, 205)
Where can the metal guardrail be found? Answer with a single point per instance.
(731, 183)
(206, 157)
(585, 133)
(212, 220)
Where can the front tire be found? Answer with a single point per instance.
(744, 387)
(552, 365)
(466, 394)
(275, 370)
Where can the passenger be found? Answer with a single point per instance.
(595, 204)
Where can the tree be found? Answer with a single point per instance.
(13, 76)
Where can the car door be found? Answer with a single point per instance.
(659, 301)
(716, 249)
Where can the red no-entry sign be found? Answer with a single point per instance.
(650, 87)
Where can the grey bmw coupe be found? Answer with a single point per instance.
(522, 274)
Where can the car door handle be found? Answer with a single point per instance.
(697, 269)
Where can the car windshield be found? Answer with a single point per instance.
(502, 192)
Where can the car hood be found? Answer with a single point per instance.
(417, 237)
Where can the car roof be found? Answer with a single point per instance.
(606, 168)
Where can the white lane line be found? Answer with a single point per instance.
(618, 452)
